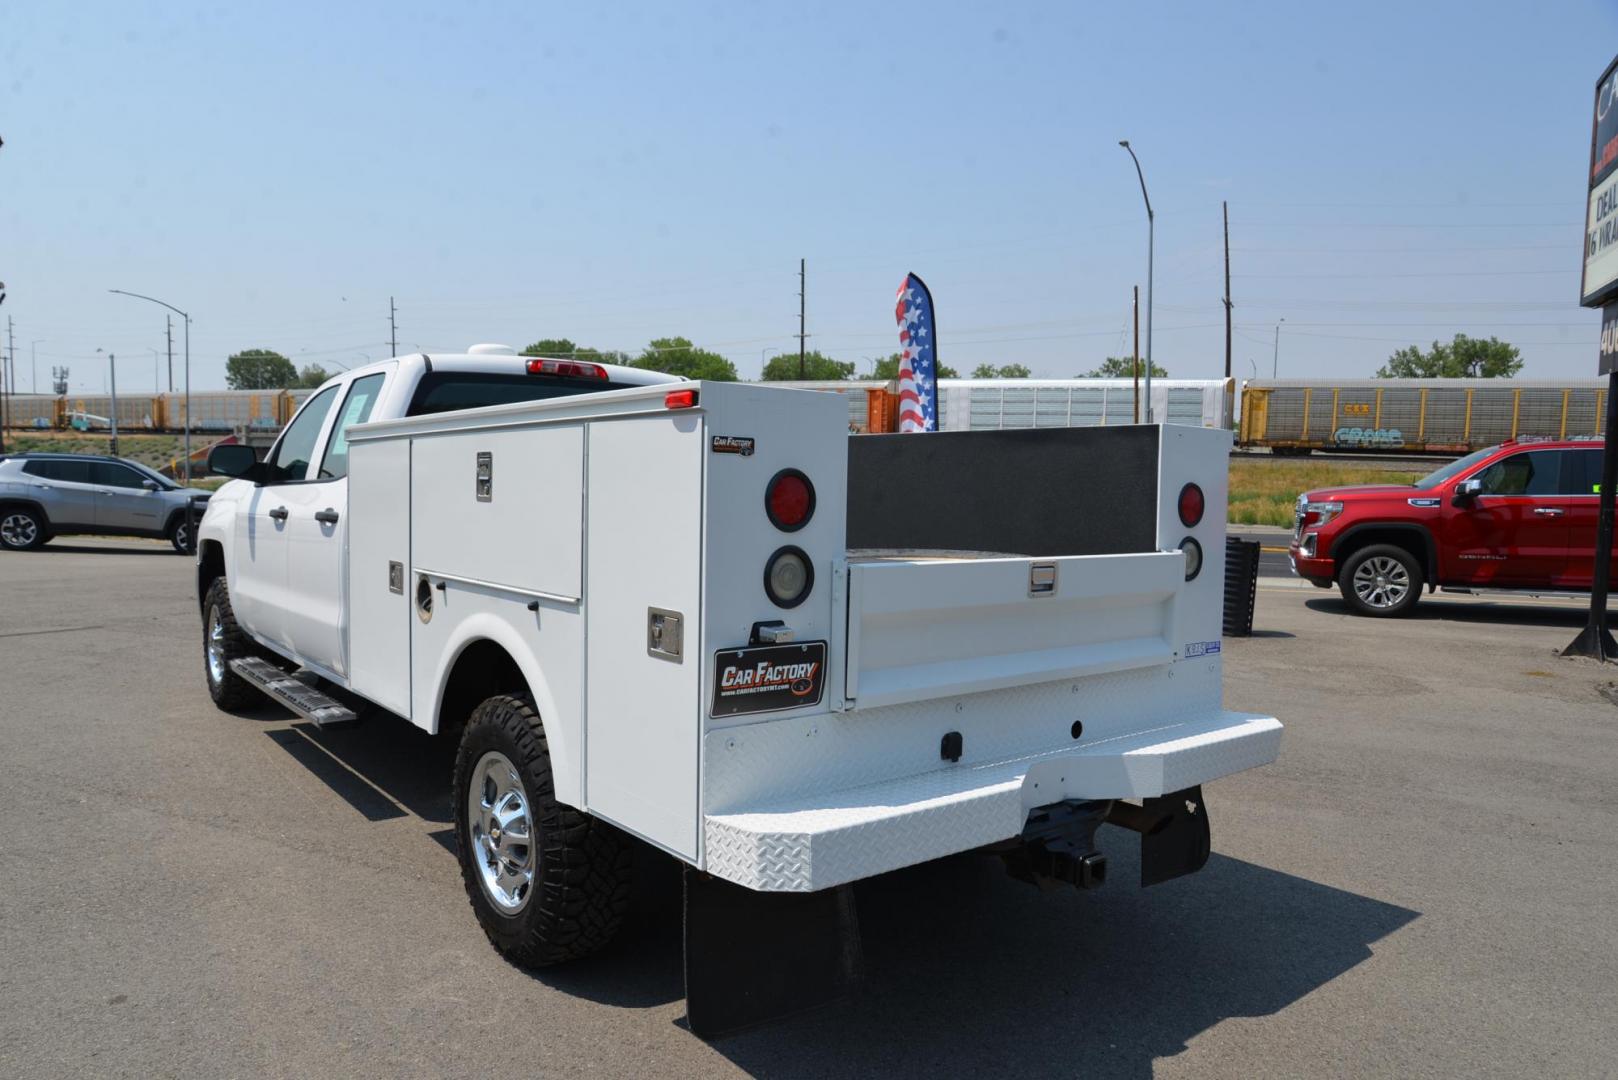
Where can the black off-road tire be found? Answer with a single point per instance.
(1374, 557)
(24, 530)
(582, 877)
(230, 691)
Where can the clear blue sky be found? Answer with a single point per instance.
(617, 172)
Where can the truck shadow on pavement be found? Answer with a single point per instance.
(969, 971)
(966, 969)
(1480, 610)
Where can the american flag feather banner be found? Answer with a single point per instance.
(918, 357)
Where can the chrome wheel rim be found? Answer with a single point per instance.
(18, 530)
(216, 646)
(1381, 582)
(501, 831)
(182, 536)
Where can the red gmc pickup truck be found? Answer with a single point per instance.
(1520, 516)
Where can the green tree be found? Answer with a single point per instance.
(312, 376)
(564, 349)
(1463, 358)
(556, 347)
(887, 369)
(815, 366)
(1003, 371)
(677, 356)
(1122, 367)
(259, 369)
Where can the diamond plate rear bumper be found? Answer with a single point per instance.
(816, 841)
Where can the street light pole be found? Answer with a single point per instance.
(187, 318)
(112, 362)
(1150, 246)
(1275, 356)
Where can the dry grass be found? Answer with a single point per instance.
(1262, 492)
(155, 451)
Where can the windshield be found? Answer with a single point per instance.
(1454, 468)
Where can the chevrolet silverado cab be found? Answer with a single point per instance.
(701, 616)
(1518, 517)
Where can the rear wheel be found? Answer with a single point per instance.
(548, 883)
(21, 528)
(1381, 580)
(222, 642)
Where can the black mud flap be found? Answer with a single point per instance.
(752, 957)
(1177, 841)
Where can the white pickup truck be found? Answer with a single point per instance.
(701, 615)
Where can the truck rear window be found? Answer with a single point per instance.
(447, 391)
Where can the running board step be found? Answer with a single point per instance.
(293, 692)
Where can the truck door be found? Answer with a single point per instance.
(123, 502)
(1581, 473)
(1515, 531)
(63, 488)
(258, 590)
(317, 540)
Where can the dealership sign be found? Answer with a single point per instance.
(1601, 225)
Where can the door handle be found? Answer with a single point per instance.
(279, 513)
(327, 516)
(1548, 511)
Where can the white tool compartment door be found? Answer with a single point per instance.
(379, 580)
(505, 507)
(645, 545)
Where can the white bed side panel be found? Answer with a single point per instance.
(645, 529)
(527, 534)
(378, 514)
(1200, 456)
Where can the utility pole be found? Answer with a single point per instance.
(169, 319)
(802, 281)
(1134, 368)
(393, 328)
(11, 375)
(1275, 354)
(1226, 207)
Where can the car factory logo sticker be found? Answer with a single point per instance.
(733, 444)
(769, 678)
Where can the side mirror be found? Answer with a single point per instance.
(1466, 491)
(149, 485)
(234, 459)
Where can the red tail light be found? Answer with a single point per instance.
(576, 368)
(680, 399)
(789, 500)
(1192, 505)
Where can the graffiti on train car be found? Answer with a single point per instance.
(1372, 438)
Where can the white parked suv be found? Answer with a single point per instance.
(702, 616)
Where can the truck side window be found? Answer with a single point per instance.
(291, 458)
(362, 395)
(1537, 472)
(1583, 472)
(112, 474)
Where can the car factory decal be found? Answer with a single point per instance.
(733, 444)
(768, 678)
(1201, 648)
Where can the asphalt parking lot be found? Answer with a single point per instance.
(1422, 885)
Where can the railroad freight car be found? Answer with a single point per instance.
(995, 404)
(211, 410)
(1452, 416)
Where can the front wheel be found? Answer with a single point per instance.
(548, 883)
(180, 534)
(1381, 580)
(222, 642)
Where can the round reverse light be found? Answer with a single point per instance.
(789, 501)
(1191, 505)
(788, 577)
(1193, 557)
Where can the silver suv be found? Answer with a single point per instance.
(45, 495)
